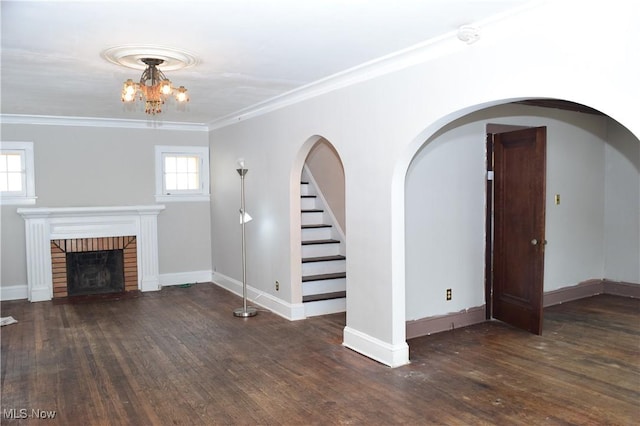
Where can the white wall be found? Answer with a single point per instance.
(93, 166)
(379, 117)
(445, 210)
(622, 205)
(575, 227)
(267, 189)
(324, 164)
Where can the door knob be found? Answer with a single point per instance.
(534, 242)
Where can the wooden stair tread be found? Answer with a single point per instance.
(323, 258)
(335, 296)
(321, 277)
(324, 296)
(311, 242)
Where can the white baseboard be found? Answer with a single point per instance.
(278, 306)
(385, 353)
(179, 278)
(19, 292)
(14, 292)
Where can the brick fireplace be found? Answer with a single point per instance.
(54, 235)
(114, 259)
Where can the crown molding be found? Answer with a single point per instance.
(50, 120)
(396, 61)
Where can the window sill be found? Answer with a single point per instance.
(186, 198)
(17, 201)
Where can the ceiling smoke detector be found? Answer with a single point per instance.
(468, 33)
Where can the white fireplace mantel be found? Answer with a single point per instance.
(45, 224)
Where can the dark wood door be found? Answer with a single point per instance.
(519, 237)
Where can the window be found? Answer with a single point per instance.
(17, 184)
(182, 173)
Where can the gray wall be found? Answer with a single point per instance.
(592, 162)
(102, 166)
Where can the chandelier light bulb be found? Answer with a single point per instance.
(130, 90)
(166, 87)
(181, 94)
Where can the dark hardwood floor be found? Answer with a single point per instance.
(178, 356)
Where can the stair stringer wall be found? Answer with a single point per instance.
(329, 217)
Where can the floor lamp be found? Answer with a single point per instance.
(245, 311)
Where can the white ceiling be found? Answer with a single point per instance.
(248, 50)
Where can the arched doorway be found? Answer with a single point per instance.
(322, 234)
(593, 169)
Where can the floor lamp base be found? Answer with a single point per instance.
(241, 312)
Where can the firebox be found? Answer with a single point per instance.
(95, 272)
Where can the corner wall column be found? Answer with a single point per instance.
(39, 267)
(148, 252)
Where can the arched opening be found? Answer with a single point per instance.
(320, 234)
(592, 209)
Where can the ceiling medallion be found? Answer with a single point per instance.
(154, 87)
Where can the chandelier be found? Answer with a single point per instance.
(154, 88)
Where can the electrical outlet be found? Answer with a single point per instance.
(277, 286)
(448, 294)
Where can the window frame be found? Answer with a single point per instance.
(200, 152)
(28, 195)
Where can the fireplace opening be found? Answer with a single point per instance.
(95, 272)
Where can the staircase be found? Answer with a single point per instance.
(323, 260)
